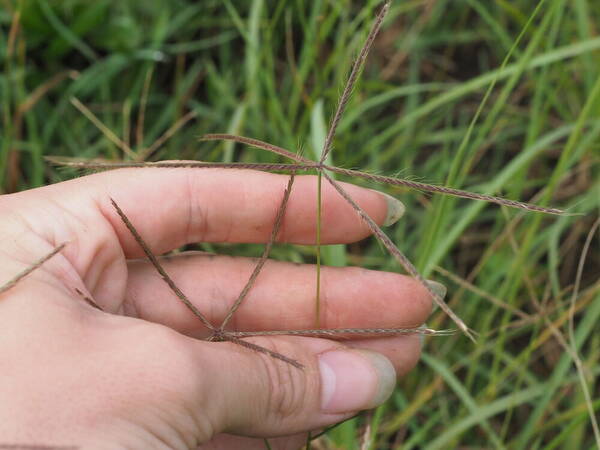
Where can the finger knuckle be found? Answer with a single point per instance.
(287, 386)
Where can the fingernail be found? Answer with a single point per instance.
(395, 209)
(353, 380)
(439, 289)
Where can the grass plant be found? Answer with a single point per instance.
(499, 98)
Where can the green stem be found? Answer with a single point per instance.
(318, 293)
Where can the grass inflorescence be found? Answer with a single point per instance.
(498, 98)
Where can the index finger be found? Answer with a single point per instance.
(173, 207)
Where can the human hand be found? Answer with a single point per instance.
(135, 376)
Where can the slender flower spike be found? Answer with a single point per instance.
(301, 164)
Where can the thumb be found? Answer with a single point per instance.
(252, 393)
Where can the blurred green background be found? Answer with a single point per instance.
(493, 96)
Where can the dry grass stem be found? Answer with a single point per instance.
(399, 256)
(339, 333)
(12, 282)
(166, 136)
(356, 70)
(367, 435)
(88, 300)
(480, 292)
(258, 348)
(141, 119)
(69, 162)
(303, 167)
(219, 334)
(15, 26)
(257, 144)
(40, 91)
(554, 330)
(103, 128)
(576, 358)
(302, 164)
(263, 259)
(154, 261)
(309, 165)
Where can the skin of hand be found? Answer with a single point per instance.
(136, 375)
